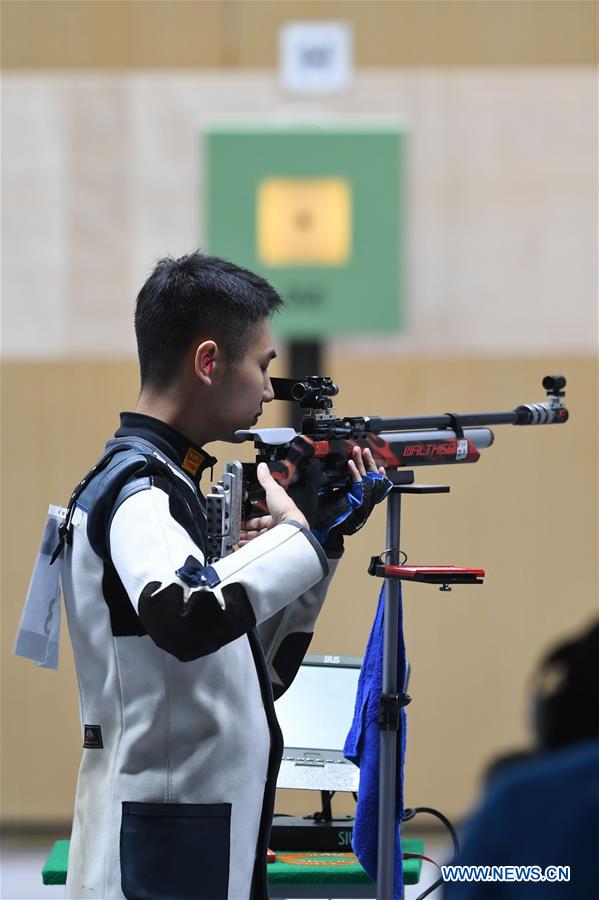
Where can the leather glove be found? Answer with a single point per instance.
(344, 512)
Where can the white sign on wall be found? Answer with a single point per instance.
(315, 57)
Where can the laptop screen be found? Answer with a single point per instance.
(317, 710)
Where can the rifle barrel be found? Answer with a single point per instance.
(527, 414)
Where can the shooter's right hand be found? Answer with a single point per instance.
(280, 505)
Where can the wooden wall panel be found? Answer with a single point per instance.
(242, 34)
(527, 512)
(434, 33)
(77, 34)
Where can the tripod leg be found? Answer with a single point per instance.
(388, 737)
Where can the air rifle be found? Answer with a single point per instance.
(395, 443)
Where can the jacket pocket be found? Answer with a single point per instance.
(171, 851)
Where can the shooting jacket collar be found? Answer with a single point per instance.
(191, 458)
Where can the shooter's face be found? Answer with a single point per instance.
(245, 386)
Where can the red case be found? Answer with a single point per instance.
(434, 573)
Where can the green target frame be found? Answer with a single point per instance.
(319, 213)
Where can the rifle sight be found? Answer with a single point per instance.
(312, 392)
(554, 385)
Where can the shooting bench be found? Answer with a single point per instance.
(294, 874)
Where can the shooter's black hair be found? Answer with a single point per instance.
(197, 296)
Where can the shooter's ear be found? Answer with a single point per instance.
(205, 361)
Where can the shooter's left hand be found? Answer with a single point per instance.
(337, 514)
(345, 512)
(362, 463)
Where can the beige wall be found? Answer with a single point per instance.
(242, 33)
(103, 174)
(104, 104)
(527, 512)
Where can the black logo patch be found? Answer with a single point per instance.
(92, 737)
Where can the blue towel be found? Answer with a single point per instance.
(362, 748)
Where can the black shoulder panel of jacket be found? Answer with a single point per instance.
(288, 659)
(132, 469)
(99, 497)
(189, 630)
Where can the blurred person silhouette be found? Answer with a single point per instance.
(541, 807)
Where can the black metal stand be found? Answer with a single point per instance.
(391, 698)
(326, 813)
